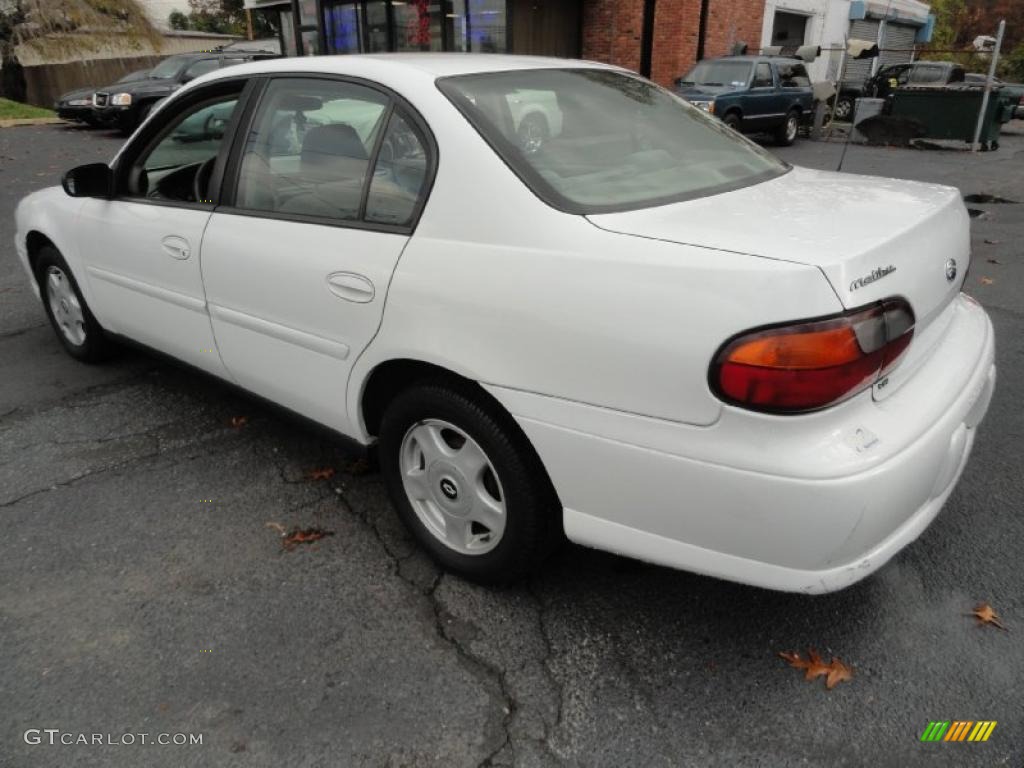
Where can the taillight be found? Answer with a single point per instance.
(805, 366)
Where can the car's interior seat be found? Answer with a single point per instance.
(333, 164)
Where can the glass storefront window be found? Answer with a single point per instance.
(417, 25)
(343, 27)
(477, 25)
(307, 13)
(287, 33)
(310, 42)
(377, 26)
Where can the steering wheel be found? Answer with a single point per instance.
(202, 178)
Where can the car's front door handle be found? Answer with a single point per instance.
(176, 247)
(350, 286)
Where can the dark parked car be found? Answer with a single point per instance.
(753, 94)
(125, 105)
(888, 79)
(1014, 91)
(76, 106)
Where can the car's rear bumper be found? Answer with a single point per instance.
(808, 503)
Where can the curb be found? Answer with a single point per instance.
(19, 121)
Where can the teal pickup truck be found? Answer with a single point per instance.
(752, 94)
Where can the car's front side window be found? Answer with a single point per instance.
(310, 147)
(177, 167)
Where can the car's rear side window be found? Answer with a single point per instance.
(310, 148)
(793, 75)
(598, 140)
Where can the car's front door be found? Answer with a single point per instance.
(759, 104)
(141, 248)
(329, 183)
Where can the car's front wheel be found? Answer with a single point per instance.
(76, 327)
(466, 483)
(844, 109)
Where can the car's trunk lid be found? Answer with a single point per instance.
(872, 238)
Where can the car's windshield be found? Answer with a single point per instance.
(595, 140)
(167, 68)
(719, 73)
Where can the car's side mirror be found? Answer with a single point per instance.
(92, 180)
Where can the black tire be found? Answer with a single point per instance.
(733, 120)
(786, 133)
(95, 346)
(532, 526)
(843, 112)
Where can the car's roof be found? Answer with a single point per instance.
(434, 65)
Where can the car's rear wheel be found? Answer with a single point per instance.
(76, 327)
(786, 133)
(466, 483)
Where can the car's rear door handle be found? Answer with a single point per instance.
(350, 286)
(176, 247)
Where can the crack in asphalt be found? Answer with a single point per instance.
(20, 331)
(480, 667)
(545, 663)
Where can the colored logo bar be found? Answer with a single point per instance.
(958, 730)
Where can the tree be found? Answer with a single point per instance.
(225, 17)
(50, 26)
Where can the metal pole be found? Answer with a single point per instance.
(988, 85)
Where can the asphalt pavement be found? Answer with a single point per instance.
(144, 587)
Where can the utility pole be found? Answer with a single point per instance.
(988, 86)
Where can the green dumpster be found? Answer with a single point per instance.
(951, 112)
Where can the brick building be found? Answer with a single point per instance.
(678, 32)
(659, 38)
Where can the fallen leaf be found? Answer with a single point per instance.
(304, 536)
(992, 242)
(324, 473)
(987, 281)
(813, 666)
(993, 261)
(986, 614)
(279, 528)
(239, 421)
(837, 673)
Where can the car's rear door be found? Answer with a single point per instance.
(141, 248)
(326, 186)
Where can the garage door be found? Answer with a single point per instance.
(859, 71)
(898, 45)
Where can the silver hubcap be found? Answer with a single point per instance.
(791, 128)
(452, 487)
(67, 311)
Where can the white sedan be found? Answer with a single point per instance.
(636, 328)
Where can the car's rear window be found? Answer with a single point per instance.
(596, 140)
